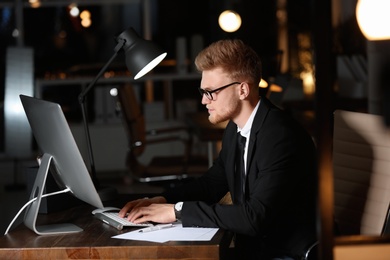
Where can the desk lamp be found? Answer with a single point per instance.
(141, 57)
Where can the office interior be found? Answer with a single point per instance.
(315, 60)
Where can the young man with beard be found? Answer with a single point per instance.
(273, 214)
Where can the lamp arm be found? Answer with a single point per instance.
(117, 48)
(121, 43)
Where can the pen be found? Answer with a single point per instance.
(154, 228)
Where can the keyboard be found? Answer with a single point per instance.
(112, 219)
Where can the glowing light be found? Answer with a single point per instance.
(85, 15)
(85, 18)
(15, 109)
(15, 33)
(74, 10)
(263, 83)
(308, 83)
(35, 3)
(229, 21)
(374, 19)
(275, 88)
(86, 22)
(114, 92)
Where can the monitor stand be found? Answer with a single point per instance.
(32, 210)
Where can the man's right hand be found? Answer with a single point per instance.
(140, 203)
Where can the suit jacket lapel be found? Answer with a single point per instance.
(256, 126)
(231, 130)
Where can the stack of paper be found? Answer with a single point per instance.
(175, 233)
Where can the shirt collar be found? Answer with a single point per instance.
(245, 131)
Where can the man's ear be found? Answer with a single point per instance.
(244, 90)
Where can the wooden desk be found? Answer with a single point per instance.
(206, 131)
(95, 242)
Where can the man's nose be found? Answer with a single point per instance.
(205, 100)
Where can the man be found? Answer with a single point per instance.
(273, 211)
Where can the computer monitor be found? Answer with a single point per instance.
(61, 155)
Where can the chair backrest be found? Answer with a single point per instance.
(361, 165)
(134, 119)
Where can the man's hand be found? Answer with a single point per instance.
(140, 203)
(159, 213)
(139, 211)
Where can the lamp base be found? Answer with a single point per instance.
(107, 193)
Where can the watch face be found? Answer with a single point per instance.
(178, 206)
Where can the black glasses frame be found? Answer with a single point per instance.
(209, 93)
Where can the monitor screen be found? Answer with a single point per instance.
(60, 153)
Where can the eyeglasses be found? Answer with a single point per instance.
(209, 94)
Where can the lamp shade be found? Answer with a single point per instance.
(374, 19)
(141, 55)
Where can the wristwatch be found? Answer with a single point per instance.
(178, 207)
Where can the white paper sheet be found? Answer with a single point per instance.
(175, 233)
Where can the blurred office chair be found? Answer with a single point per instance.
(361, 165)
(160, 168)
(361, 173)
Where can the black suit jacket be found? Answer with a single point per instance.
(278, 216)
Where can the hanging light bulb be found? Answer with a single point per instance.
(229, 21)
(86, 18)
(374, 19)
(35, 3)
(73, 10)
